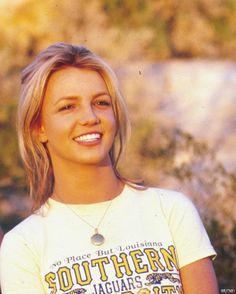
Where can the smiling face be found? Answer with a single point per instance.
(77, 119)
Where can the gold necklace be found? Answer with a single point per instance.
(96, 239)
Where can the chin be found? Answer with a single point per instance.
(96, 161)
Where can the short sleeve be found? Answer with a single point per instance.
(189, 235)
(19, 272)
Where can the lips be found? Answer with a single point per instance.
(88, 138)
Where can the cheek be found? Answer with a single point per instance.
(53, 131)
(112, 123)
(56, 126)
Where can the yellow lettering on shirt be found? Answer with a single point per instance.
(76, 267)
(169, 257)
(50, 279)
(65, 279)
(144, 291)
(168, 289)
(156, 290)
(121, 264)
(154, 259)
(100, 262)
(137, 261)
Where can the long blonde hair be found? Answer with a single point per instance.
(33, 85)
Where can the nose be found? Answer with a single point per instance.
(88, 116)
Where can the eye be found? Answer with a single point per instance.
(103, 103)
(67, 107)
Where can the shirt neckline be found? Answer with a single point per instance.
(88, 208)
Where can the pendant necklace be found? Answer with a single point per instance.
(97, 238)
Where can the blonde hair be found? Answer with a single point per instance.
(34, 81)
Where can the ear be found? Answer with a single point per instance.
(41, 134)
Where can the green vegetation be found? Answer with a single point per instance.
(147, 29)
(225, 245)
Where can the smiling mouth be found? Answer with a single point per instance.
(88, 138)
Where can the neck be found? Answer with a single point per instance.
(86, 185)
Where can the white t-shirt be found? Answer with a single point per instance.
(148, 234)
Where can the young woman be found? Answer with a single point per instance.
(93, 231)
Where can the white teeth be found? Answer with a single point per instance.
(88, 137)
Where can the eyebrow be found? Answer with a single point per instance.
(76, 97)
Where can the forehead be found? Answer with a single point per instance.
(73, 76)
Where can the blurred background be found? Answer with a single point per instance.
(176, 64)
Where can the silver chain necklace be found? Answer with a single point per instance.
(96, 239)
